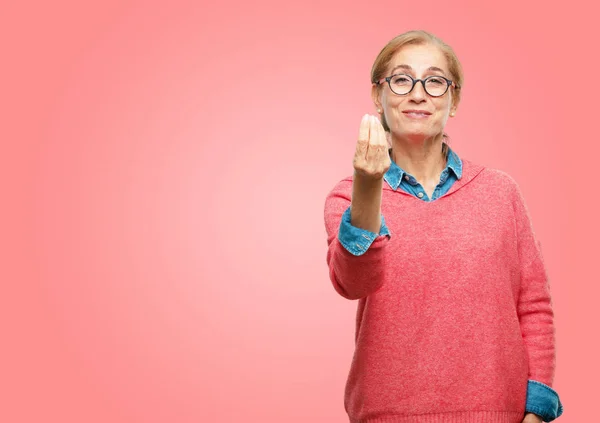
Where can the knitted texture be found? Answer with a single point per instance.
(454, 312)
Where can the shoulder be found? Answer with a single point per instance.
(497, 179)
(500, 177)
(493, 184)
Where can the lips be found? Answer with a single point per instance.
(417, 114)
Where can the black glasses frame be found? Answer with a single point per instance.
(414, 82)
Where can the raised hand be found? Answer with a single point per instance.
(371, 159)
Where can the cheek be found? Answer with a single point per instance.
(394, 109)
(442, 113)
(443, 120)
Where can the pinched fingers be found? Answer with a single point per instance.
(362, 145)
(378, 154)
(371, 158)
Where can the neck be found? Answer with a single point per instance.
(424, 159)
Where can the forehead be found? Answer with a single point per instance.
(419, 58)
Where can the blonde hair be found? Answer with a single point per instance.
(418, 37)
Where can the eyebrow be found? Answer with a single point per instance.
(407, 67)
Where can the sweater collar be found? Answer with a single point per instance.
(395, 173)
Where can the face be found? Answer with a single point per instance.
(418, 58)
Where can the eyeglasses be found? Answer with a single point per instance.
(402, 84)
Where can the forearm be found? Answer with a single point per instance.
(365, 208)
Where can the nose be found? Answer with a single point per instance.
(418, 92)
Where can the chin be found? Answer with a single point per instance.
(417, 136)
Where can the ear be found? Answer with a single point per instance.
(453, 108)
(454, 105)
(376, 96)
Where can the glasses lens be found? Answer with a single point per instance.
(436, 86)
(401, 84)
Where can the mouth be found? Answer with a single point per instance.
(415, 114)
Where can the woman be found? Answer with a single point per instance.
(454, 321)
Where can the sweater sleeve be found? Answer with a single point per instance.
(536, 317)
(355, 257)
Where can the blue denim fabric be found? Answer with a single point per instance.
(396, 176)
(357, 240)
(543, 401)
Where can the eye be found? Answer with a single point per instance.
(401, 80)
(436, 81)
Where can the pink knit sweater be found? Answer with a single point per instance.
(454, 312)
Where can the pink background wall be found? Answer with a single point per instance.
(164, 170)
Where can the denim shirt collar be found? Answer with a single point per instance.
(395, 173)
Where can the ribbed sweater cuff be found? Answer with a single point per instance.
(451, 417)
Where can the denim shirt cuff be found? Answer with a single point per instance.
(356, 240)
(543, 401)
